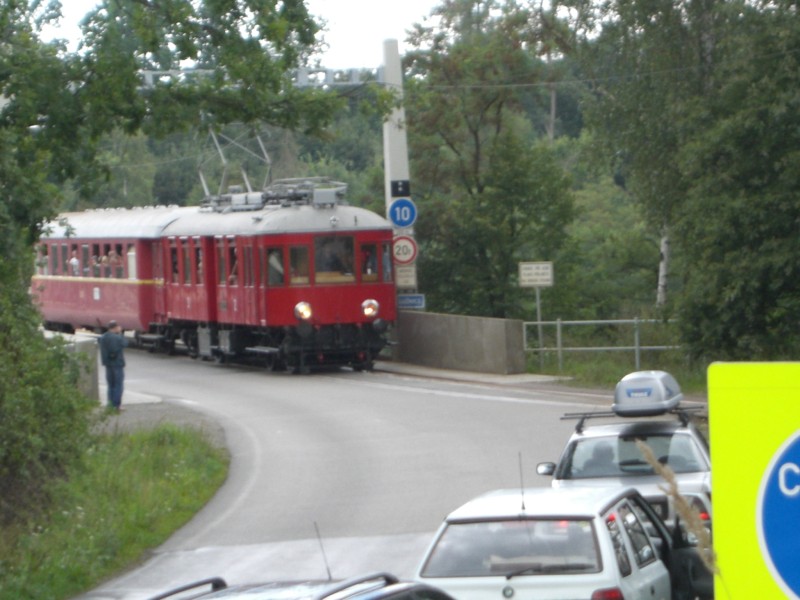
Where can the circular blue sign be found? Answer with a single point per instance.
(402, 212)
(778, 516)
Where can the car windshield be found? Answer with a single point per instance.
(620, 456)
(514, 547)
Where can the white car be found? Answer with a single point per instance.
(559, 544)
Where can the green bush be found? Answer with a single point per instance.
(44, 421)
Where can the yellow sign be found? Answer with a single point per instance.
(754, 428)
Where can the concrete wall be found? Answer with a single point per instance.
(459, 342)
(88, 382)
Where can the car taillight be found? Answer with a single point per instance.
(698, 505)
(608, 594)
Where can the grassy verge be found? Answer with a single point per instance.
(605, 369)
(130, 494)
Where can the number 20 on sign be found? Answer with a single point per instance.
(405, 250)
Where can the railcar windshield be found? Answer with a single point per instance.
(334, 259)
(515, 546)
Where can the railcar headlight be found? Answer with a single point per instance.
(302, 310)
(370, 308)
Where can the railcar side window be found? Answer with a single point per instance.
(333, 259)
(233, 276)
(42, 260)
(187, 262)
(64, 266)
(369, 262)
(198, 262)
(248, 266)
(173, 261)
(130, 255)
(386, 263)
(220, 262)
(85, 270)
(54, 260)
(298, 263)
(272, 267)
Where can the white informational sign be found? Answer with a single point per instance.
(535, 274)
(405, 277)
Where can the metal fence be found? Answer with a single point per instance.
(543, 345)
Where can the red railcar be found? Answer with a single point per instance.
(290, 276)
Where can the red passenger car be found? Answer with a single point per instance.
(291, 276)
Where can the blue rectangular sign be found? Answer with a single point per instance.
(411, 301)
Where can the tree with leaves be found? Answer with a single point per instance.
(740, 223)
(56, 106)
(490, 194)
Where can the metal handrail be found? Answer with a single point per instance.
(637, 346)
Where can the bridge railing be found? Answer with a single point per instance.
(616, 335)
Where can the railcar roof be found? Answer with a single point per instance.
(276, 219)
(160, 221)
(114, 223)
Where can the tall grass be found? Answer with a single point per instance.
(132, 491)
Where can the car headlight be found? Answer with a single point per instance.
(370, 308)
(302, 310)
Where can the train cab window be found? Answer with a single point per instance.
(273, 265)
(298, 263)
(333, 259)
(386, 263)
(369, 262)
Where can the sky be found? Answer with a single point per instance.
(356, 28)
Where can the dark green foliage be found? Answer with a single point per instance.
(44, 421)
(741, 224)
(56, 108)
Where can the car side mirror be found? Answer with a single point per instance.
(546, 468)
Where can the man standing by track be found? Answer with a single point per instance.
(112, 345)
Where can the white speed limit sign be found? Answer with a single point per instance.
(405, 250)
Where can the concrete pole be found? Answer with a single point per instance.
(395, 144)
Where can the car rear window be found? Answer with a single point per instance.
(525, 547)
(621, 457)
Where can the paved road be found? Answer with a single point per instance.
(373, 460)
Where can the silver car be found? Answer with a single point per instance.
(616, 454)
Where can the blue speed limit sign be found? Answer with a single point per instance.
(402, 212)
(779, 516)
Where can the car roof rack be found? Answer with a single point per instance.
(381, 580)
(682, 412)
(216, 583)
